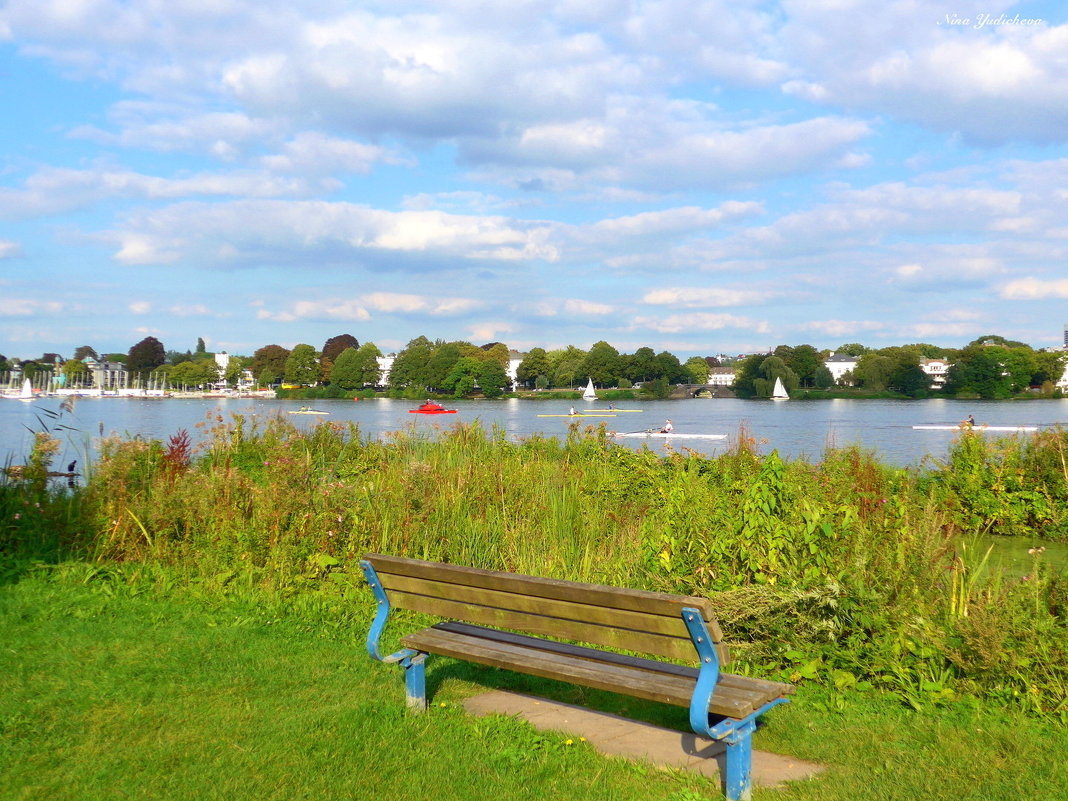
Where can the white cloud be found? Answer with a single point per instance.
(139, 307)
(359, 308)
(9, 249)
(25, 307)
(310, 152)
(489, 331)
(240, 231)
(701, 321)
(587, 307)
(189, 310)
(696, 297)
(991, 83)
(1034, 289)
(841, 328)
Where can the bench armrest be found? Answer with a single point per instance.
(378, 625)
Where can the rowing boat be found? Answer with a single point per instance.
(431, 411)
(581, 414)
(307, 411)
(976, 427)
(665, 435)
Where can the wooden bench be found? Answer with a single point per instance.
(520, 623)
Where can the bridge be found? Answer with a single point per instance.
(702, 390)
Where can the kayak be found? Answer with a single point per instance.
(976, 427)
(672, 435)
(307, 411)
(580, 414)
(431, 411)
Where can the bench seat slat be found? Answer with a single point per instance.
(612, 597)
(541, 625)
(644, 681)
(768, 690)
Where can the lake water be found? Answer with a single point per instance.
(794, 428)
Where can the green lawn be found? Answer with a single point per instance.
(136, 683)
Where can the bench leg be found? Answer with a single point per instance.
(415, 681)
(739, 785)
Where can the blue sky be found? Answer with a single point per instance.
(697, 177)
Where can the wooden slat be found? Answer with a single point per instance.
(672, 625)
(640, 683)
(767, 689)
(609, 636)
(611, 597)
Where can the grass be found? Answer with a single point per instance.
(140, 681)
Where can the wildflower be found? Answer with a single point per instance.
(569, 741)
(18, 515)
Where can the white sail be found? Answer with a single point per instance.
(26, 395)
(589, 394)
(779, 393)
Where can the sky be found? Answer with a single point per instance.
(697, 176)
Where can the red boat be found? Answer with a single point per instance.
(431, 408)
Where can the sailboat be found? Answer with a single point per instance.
(27, 392)
(779, 392)
(589, 394)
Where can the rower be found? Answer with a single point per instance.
(668, 428)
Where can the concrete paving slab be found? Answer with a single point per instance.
(617, 736)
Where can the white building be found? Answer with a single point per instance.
(839, 364)
(936, 369)
(721, 376)
(385, 364)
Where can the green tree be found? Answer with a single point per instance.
(201, 348)
(333, 348)
(851, 349)
(804, 360)
(145, 356)
(643, 365)
(991, 369)
(463, 376)
(671, 368)
(496, 352)
(367, 356)
(410, 365)
(747, 374)
(823, 379)
(269, 363)
(874, 371)
(347, 372)
(698, 370)
(302, 366)
(443, 359)
(235, 367)
(493, 379)
(85, 351)
(534, 364)
(565, 365)
(193, 373)
(601, 364)
(74, 372)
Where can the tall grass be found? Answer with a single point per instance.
(846, 572)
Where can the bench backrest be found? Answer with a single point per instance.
(628, 620)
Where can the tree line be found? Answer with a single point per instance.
(988, 367)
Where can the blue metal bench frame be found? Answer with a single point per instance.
(735, 733)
